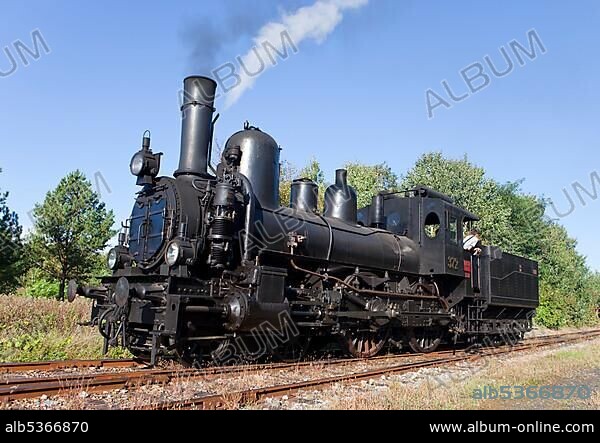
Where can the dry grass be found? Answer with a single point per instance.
(562, 367)
(42, 329)
(594, 401)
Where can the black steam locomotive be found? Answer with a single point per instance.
(209, 265)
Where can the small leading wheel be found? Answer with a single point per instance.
(424, 340)
(365, 343)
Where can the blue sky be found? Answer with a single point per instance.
(115, 68)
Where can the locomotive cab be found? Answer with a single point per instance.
(430, 219)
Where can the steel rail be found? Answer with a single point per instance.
(66, 364)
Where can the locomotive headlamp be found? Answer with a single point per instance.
(118, 257)
(180, 252)
(144, 164)
(113, 259)
(173, 253)
(137, 164)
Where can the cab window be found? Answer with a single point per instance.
(452, 228)
(432, 225)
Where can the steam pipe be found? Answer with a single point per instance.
(326, 277)
(341, 178)
(378, 212)
(250, 210)
(210, 146)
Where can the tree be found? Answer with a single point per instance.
(369, 180)
(594, 287)
(71, 227)
(11, 247)
(313, 171)
(287, 174)
(526, 221)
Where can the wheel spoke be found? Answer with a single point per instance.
(365, 344)
(424, 340)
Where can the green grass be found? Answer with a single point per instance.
(569, 354)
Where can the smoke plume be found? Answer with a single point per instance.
(207, 38)
(314, 22)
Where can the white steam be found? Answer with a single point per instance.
(313, 22)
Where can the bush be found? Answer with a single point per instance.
(553, 310)
(35, 284)
(43, 288)
(34, 347)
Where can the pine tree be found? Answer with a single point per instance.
(71, 228)
(11, 247)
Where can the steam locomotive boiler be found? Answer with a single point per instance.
(210, 266)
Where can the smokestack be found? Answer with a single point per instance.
(196, 127)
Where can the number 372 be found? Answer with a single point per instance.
(453, 263)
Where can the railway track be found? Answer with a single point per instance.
(221, 401)
(29, 387)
